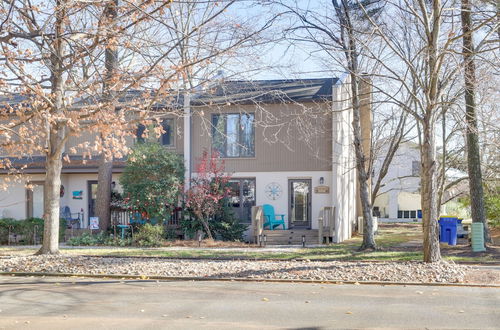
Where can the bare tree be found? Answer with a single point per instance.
(422, 42)
(473, 154)
(51, 55)
(337, 29)
(105, 170)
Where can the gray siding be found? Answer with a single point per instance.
(288, 137)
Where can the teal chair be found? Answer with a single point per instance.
(271, 219)
(136, 219)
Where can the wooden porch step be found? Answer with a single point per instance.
(291, 236)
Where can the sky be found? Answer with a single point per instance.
(280, 58)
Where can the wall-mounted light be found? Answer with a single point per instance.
(321, 180)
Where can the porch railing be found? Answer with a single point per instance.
(122, 217)
(257, 223)
(326, 224)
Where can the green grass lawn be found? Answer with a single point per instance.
(397, 243)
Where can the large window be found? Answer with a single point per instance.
(242, 197)
(233, 135)
(166, 139)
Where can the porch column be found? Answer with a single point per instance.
(344, 196)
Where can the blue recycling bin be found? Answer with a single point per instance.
(448, 230)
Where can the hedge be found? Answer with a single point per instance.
(25, 230)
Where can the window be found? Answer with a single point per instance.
(406, 214)
(415, 168)
(139, 133)
(241, 198)
(400, 214)
(413, 214)
(166, 139)
(233, 135)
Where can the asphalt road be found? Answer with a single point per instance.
(76, 303)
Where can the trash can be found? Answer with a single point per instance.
(477, 238)
(448, 230)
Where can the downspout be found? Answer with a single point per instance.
(187, 140)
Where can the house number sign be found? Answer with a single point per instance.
(273, 191)
(322, 190)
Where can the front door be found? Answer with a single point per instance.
(299, 203)
(92, 197)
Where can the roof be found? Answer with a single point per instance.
(76, 164)
(230, 91)
(269, 91)
(12, 98)
(244, 92)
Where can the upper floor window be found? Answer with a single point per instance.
(233, 135)
(166, 139)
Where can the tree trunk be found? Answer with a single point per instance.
(56, 138)
(51, 205)
(473, 154)
(104, 179)
(207, 228)
(428, 176)
(363, 176)
(432, 252)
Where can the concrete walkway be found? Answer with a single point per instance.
(76, 303)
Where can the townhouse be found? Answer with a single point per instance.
(287, 143)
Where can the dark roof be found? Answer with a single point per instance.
(231, 91)
(268, 91)
(14, 98)
(76, 164)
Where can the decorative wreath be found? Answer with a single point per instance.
(273, 190)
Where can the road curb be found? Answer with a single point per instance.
(241, 279)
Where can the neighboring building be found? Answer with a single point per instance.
(399, 195)
(280, 139)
